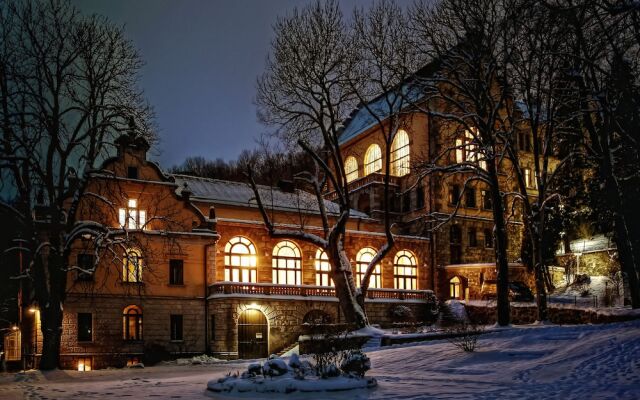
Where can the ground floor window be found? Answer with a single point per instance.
(405, 271)
(85, 363)
(363, 259)
(85, 327)
(176, 327)
(132, 323)
(455, 287)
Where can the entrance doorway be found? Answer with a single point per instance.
(253, 335)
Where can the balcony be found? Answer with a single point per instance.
(375, 178)
(232, 289)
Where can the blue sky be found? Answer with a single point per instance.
(202, 60)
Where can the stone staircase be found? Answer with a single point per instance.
(286, 349)
(373, 343)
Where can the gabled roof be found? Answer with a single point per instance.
(364, 117)
(240, 194)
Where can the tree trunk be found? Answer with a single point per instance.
(352, 305)
(627, 259)
(502, 264)
(51, 327)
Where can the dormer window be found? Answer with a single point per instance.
(131, 217)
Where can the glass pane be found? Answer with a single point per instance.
(122, 217)
(142, 219)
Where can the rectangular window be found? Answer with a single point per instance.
(85, 327)
(454, 194)
(85, 264)
(176, 272)
(488, 238)
(176, 327)
(527, 177)
(470, 197)
(487, 204)
(406, 202)
(85, 363)
(473, 237)
(419, 197)
(131, 217)
(132, 172)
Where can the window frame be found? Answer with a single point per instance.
(132, 217)
(351, 174)
(278, 260)
(323, 269)
(79, 322)
(401, 154)
(375, 282)
(133, 314)
(176, 264)
(82, 276)
(372, 165)
(400, 280)
(137, 266)
(244, 269)
(176, 327)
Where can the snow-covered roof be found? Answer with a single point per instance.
(239, 193)
(365, 117)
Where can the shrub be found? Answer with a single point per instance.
(356, 364)
(154, 353)
(465, 336)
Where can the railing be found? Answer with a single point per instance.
(373, 178)
(268, 289)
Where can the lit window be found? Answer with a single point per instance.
(351, 168)
(527, 177)
(363, 258)
(132, 266)
(405, 271)
(455, 287)
(240, 260)
(400, 154)
(85, 363)
(373, 160)
(323, 269)
(132, 323)
(287, 264)
(131, 217)
(467, 150)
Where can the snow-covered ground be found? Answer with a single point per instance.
(527, 362)
(573, 294)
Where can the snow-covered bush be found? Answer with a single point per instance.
(464, 336)
(401, 313)
(274, 366)
(356, 364)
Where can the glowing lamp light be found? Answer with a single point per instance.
(253, 305)
(15, 327)
(80, 366)
(32, 310)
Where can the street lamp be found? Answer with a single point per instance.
(33, 310)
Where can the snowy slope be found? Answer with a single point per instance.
(542, 362)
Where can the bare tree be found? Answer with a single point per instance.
(604, 60)
(466, 92)
(314, 79)
(67, 89)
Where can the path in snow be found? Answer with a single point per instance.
(546, 362)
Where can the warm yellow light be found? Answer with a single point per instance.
(32, 310)
(80, 366)
(253, 305)
(15, 327)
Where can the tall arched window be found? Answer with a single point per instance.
(240, 260)
(287, 264)
(132, 266)
(405, 270)
(372, 160)
(132, 323)
(455, 287)
(351, 168)
(400, 154)
(323, 269)
(363, 258)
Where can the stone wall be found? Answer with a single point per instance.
(285, 318)
(108, 348)
(527, 314)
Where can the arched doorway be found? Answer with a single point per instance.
(456, 288)
(253, 335)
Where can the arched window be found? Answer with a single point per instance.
(363, 258)
(323, 269)
(132, 323)
(372, 160)
(405, 270)
(132, 266)
(240, 260)
(467, 149)
(287, 264)
(400, 154)
(351, 168)
(455, 287)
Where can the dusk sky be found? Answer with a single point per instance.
(202, 60)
